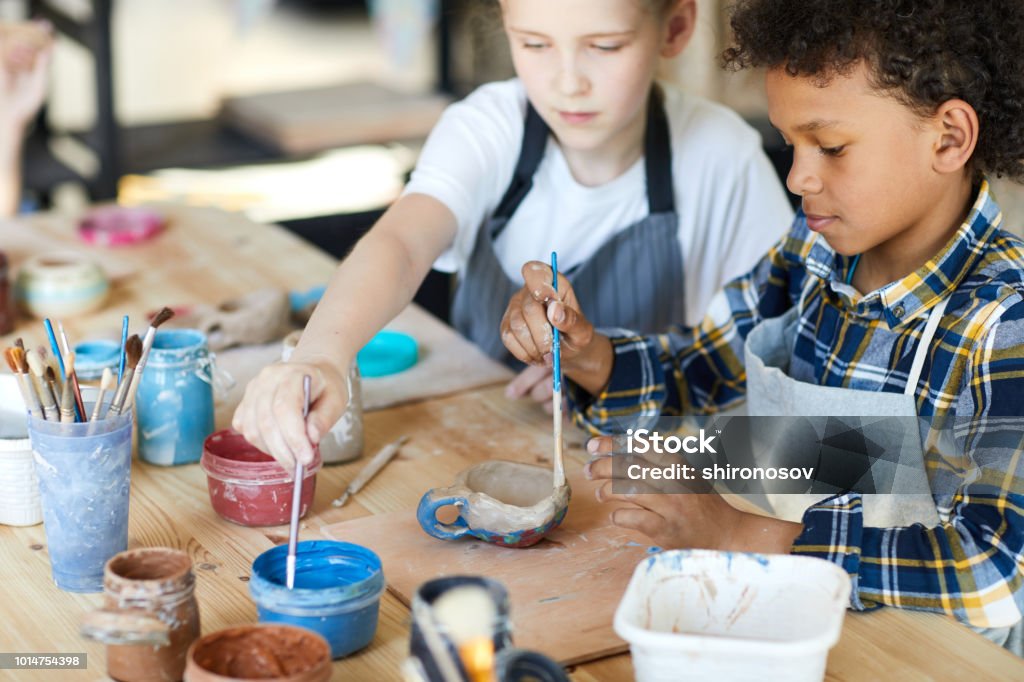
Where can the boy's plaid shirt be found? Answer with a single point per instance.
(972, 564)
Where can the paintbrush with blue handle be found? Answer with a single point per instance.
(556, 377)
(293, 527)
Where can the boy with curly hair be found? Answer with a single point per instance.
(895, 292)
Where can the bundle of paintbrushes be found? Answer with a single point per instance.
(49, 385)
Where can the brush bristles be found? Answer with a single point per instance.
(12, 361)
(69, 363)
(51, 375)
(133, 351)
(18, 343)
(35, 363)
(161, 317)
(108, 380)
(19, 359)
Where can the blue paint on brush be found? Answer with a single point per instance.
(336, 594)
(556, 346)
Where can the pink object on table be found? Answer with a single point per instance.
(120, 225)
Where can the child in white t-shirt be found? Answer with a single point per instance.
(652, 198)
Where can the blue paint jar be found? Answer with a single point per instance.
(336, 594)
(174, 404)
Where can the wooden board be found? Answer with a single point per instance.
(311, 120)
(563, 591)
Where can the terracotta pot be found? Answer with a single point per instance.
(279, 653)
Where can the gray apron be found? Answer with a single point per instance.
(772, 392)
(634, 280)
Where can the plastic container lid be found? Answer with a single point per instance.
(91, 357)
(387, 353)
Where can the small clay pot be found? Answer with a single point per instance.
(61, 285)
(150, 615)
(278, 653)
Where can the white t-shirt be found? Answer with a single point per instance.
(730, 204)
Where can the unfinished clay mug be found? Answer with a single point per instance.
(506, 503)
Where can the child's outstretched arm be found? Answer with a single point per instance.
(372, 285)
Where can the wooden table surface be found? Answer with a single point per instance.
(207, 255)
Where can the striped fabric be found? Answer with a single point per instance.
(972, 386)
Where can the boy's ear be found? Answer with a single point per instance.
(682, 20)
(956, 123)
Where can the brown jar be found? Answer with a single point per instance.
(150, 615)
(6, 302)
(270, 652)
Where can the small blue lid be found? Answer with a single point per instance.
(387, 353)
(91, 357)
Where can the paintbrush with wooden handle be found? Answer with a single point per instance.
(147, 344)
(69, 375)
(33, 390)
(556, 378)
(132, 353)
(46, 396)
(67, 396)
(12, 357)
(107, 382)
(53, 381)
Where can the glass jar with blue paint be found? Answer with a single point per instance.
(174, 404)
(336, 594)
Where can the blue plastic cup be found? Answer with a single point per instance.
(175, 398)
(84, 478)
(336, 594)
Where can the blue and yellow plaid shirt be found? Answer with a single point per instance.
(972, 564)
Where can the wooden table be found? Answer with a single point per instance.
(209, 255)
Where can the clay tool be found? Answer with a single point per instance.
(76, 390)
(556, 377)
(11, 355)
(147, 343)
(293, 527)
(372, 468)
(67, 398)
(46, 395)
(124, 340)
(133, 353)
(106, 383)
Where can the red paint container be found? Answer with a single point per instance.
(247, 486)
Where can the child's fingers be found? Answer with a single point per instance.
(524, 382)
(544, 388)
(537, 281)
(520, 322)
(637, 518)
(577, 332)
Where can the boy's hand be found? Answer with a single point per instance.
(534, 381)
(534, 309)
(526, 329)
(270, 414)
(699, 519)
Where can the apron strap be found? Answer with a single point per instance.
(661, 193)
(657, 162)
(934, 317)
(535, 141)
